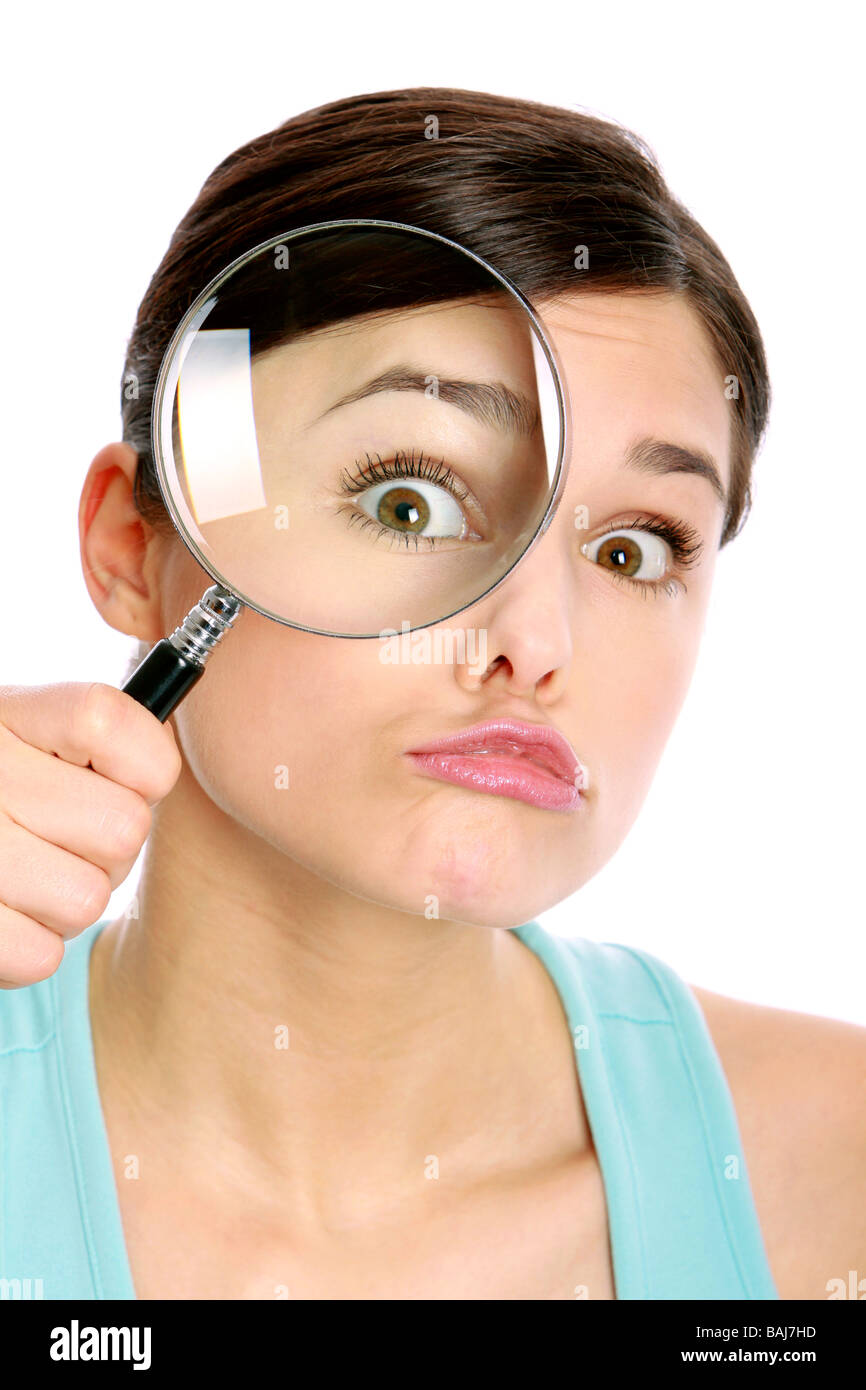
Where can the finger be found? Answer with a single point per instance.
(47, 883)
(73, 807)
(97, 726)
(29, 952)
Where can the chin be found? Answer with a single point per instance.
(478, 872)
(486, 896)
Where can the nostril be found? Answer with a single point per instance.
(494, 666)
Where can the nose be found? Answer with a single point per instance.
(527, 625)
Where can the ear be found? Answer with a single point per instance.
(119, 550)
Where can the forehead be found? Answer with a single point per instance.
(640, 364)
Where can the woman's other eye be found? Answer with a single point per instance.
(646, 551)
(632, 554)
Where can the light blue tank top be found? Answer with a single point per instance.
(681, 1214)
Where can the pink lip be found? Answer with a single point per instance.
(529, 762)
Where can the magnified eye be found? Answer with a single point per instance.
(412, 495)
(414, 507)
(634, 554)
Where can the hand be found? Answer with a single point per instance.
(81, 766)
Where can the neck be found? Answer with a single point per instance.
(309, 1024)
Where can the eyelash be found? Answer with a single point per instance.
(404, 465)
(685, 545)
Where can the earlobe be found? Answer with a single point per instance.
(116, 545)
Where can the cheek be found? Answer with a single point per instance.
(287, 733)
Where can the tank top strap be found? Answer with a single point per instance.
(683, 1223)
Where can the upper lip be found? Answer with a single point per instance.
(541, 742)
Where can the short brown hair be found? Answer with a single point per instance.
(517, 182)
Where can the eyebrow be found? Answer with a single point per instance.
(490, 402)
(658, 456)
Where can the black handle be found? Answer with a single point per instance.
(162, 679)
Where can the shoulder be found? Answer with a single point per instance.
(798, 1083)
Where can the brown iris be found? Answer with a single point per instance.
(620, 553)
(403, 509)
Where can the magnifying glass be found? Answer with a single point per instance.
(359, 429)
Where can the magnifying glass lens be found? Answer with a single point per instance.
(359, 427)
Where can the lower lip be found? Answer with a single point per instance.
(501, 776)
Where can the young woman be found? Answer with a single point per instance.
(282, 1075)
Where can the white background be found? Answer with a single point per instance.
(744, 870)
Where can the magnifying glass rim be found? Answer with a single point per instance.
(225, 274)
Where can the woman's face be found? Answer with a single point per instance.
(304, 739)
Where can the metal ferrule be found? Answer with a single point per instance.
(205, 625)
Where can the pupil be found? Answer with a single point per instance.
(404, 508)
